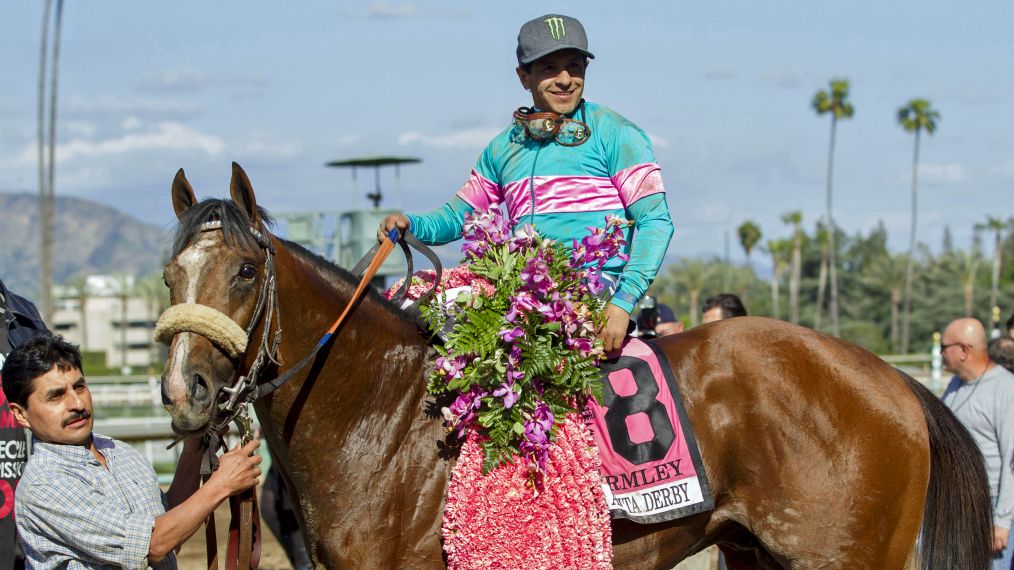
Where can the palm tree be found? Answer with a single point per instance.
(694, 275)
(888, 273)
(965, 266)
(997, 226)
(836, 103)
(795, 218)
(916, 117)
(822, 239)
(749, 235)
(779, 250)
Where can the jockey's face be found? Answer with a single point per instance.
(556, 81)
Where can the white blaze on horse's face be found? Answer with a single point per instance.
(193, 263)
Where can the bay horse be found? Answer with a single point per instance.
(819, 454)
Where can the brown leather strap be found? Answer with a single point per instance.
(211, 541)
(244, 551)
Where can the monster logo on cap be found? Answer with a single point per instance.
(556, 28)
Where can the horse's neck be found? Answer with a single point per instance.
(373, 364)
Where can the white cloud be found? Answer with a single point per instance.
(789, 78)
(383, 10)
(658, 141)
(469, 138)
(721, 73)
(941, 173)
(116, 107)
(260, 144)
(184, 78)
(1004, 169)
(164, 135)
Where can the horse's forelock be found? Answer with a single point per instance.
(235, 224)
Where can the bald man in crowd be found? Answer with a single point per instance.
(981, 395)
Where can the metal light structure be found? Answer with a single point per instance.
(376, 163)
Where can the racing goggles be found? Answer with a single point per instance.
(542, 126)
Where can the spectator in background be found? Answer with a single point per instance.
(981, 395)
(1001, 351)
(19, 321)
(656, 319)
(722, 306)
(1010, 326)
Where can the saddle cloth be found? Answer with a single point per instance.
(650, 465)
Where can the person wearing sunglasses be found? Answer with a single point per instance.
(563, 165)
(981, 395)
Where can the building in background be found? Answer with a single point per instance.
(113, 314)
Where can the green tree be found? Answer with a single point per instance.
(834, 102)
(997, 226)
(888, 274)
(795, 219)
(965, 266)
(749, 235)
(780, 251)
(694, 275)
(822, 240)
(915, 117)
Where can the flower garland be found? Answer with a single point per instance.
(520, 348)
(490, 521)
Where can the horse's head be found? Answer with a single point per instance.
(215, 279)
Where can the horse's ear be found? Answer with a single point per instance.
(243, 194)
(183, 194)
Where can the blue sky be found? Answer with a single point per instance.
(722, 88)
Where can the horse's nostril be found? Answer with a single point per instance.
(199, 390)
(166, 400)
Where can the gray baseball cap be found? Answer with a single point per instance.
(552, 32)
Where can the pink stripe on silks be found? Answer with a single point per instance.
(638, 181)
(480, 192)
(562, 194)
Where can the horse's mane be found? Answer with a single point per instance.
(235, 224)
(236, 233)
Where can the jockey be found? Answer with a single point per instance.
(564, 165)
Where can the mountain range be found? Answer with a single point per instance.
(90, 238)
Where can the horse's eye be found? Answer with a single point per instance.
(248, 271)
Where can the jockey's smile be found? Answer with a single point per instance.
(556, 81)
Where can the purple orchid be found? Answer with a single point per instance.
(510, 335)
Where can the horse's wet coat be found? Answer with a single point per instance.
(819, 454)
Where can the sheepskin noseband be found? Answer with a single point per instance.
(205, 321)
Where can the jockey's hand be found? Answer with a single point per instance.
(389, 223)
(614, 330)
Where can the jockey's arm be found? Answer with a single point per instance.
(653, 231)
(436, 227)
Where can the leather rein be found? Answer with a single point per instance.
(234, 400)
